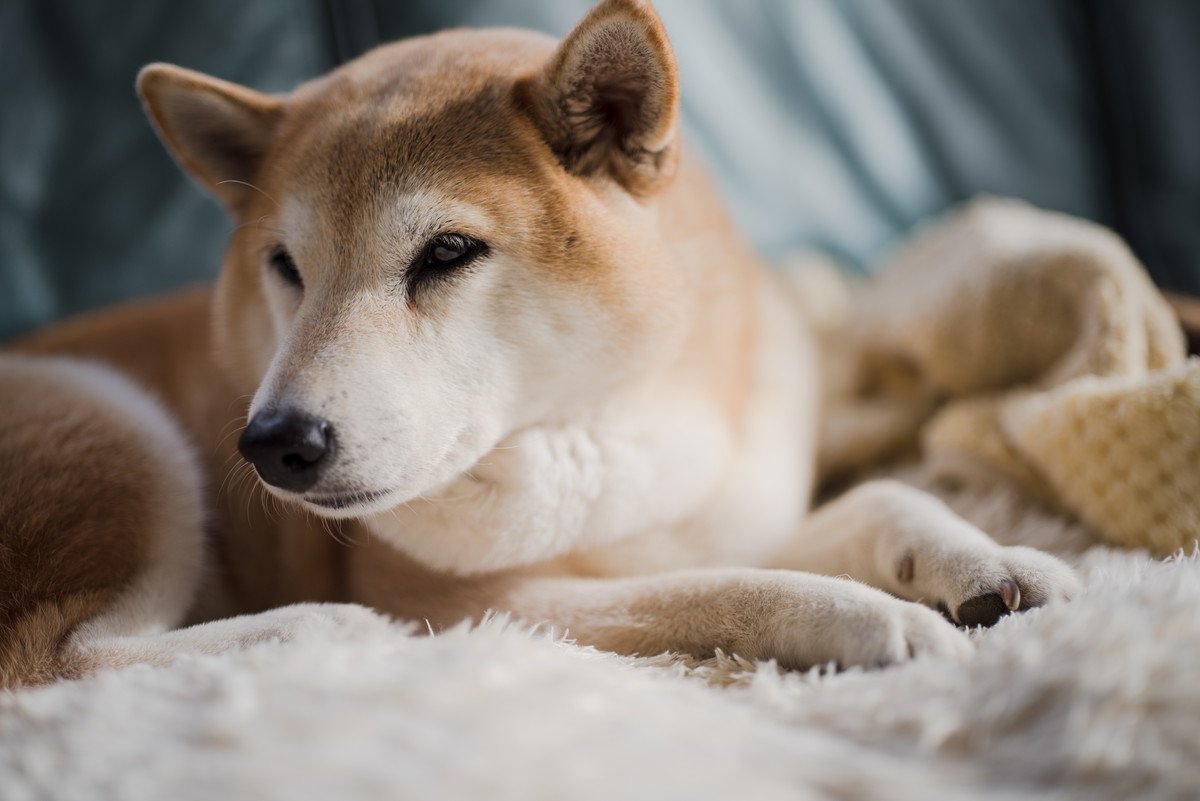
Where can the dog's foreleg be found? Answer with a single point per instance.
(905, 541)
(798, 619)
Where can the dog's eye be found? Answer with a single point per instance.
(281, 262)
(451, 250)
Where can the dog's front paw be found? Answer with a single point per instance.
(857, 626)
(900, 631)
(285, 624)
(979, 586)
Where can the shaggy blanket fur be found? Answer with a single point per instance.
(1092, 700)
(1095, 699)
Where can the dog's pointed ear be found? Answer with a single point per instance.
(217, 131)
(608, 100)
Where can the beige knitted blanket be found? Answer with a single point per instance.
(1005, 342)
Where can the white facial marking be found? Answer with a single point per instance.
(417, 386)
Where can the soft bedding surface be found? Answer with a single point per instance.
(1095, 699)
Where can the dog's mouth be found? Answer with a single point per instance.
(346, 500)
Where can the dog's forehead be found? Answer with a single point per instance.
(428, 110)
(459, 55)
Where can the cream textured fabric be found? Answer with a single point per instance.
(1031, 346)
(1094, 700)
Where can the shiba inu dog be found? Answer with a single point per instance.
(483, 338)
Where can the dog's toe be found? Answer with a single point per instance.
(1034, 579)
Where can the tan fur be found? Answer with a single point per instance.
(565, 158)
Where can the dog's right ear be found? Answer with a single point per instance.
(217, 131)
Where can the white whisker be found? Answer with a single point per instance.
(250, 185)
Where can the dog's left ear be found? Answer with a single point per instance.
(608, 101)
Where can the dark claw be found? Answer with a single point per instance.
(982, 610)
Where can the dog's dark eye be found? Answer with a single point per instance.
(281, 262)
(448, 251)
(441, 258)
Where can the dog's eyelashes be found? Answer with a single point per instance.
(442, 257)
(449, 251)
(282, 263)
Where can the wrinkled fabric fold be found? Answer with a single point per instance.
(1008, 343)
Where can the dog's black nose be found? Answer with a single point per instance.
(289, 449)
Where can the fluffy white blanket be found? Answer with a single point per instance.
(1096, 699)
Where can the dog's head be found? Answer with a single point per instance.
(444, 241)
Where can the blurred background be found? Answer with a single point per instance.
(831, 124)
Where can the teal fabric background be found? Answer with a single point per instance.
(836, 124)
(92, 209)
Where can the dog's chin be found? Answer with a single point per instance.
(351, 504)
(343, 505)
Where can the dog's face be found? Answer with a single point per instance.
(438, 244)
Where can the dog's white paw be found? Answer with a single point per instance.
(884, 635)
(978, 586)
(857, 626)
(284, 624)
(323, 619)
